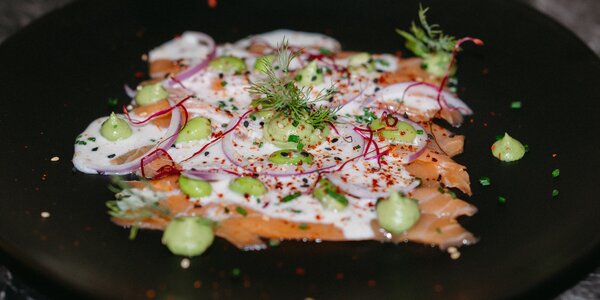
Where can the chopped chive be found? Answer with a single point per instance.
(300, 146)
(356, 147)
(515, 104)
(274, 242)
(526, 147)
(260, 144)
(293, 138)
(236, 272)
(223, 83)
(337, 197)
(501, 200)
(419, 131)
(133, 232)
(93, 139)
(291, 197)
(240, 210)
(451, 193)
(324, 51)
(222, 104)
(253, 117)
(485, 181)
(295, 123)
(303, 226)
(555, 173)
(441, 190)
(554, 192)
(113, 101)
(233, 107)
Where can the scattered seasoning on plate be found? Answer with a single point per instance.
(555, 173)
(515, 105)
(45, 214)
(236, 272)
(55, 158)
(554, 193)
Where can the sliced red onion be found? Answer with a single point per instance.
(132, 166)
(262, 166)
(129, 91)
(189, 72)
(424, 95)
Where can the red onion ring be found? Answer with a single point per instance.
(266, 168)
(132, 166)
(189, 72)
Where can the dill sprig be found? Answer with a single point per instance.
(134, 205)
(427, 39)
(279, 92)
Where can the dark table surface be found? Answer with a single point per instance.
(581, 16)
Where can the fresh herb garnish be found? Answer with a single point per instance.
(279, 92)
(293, 138)
(240, 210)
(485, 181)
(367, 117)
(303, 226)
(501, 200)
(427, 39)
(515, 104)
(555, 173)
(554, 192)
(291, 197)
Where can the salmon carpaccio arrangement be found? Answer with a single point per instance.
(285, 136)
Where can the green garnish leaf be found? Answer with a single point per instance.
(501, 200)
(555, 173)
(485, 181)
(240, 210)
(337, 196)
(554, 192)
(293, 138)
(303, 226)
(515, 104)
(291, 197)
(367, 117)
(427, 39)
(300, 146)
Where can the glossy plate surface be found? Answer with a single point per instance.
(57, 75)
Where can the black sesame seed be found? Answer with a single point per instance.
(206, 153)
(334, 140)
(305, 180)
(377, 89)
(327, 148)
(304, 153)
(337, 158)
(284, 154)
(112, 155)
(246, 123)
(95, 149)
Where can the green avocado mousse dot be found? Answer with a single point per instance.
(285, 132)
(150, 94)
(399, 132)
(508, 149)
(362, 60)
(115, 128)
(329, 196)
(188, 236)
(397, 213)
(263, 63)
(291, 157)
(310, 75)
(247, 185)
(194, 187)
(196, 129)
(227, 64)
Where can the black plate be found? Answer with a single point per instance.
(58, 73)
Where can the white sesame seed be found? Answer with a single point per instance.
(45, 214)
(452, 250)
(185, 263)
(55, 158)
(455, 255)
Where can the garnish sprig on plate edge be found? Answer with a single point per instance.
(278, 92)
(430, 43)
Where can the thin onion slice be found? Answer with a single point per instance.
(189, 72)
(132, 166)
